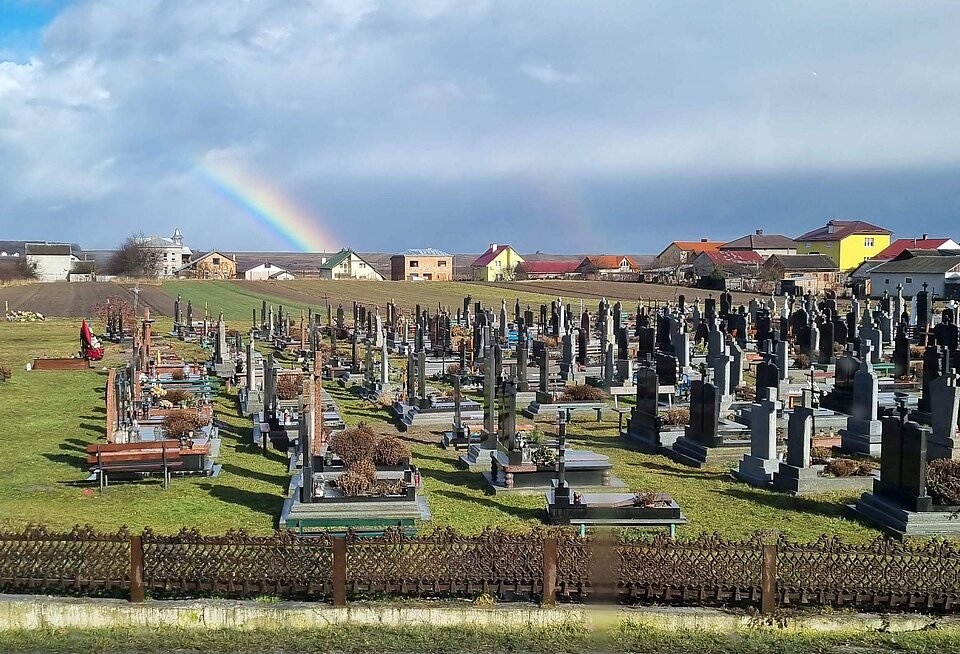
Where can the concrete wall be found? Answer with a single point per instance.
(51, 268)
(878, 283)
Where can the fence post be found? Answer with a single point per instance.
(768, 580)
(136, 569)
(339, 571)
(550, 558)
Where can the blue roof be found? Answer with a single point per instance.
(426, 252)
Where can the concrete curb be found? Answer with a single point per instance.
(34, 612)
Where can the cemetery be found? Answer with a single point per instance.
(357, 420)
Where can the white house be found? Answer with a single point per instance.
(172, 253)
(940, 273)
(266, 271)
(52, 261)
(347, 264)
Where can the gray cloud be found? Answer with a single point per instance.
(414, 107)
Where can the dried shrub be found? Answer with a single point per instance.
(390, 451)
(943, 481)
(821, 452)
(802, 361)
(178, 375)
(181, 422)
(916, 352)
(582, 393)
(354, 444)
(364, 467)
(5, 373)
(849, 468)
(354, 483)
(384, 400)
(453, 369)
(389, 487)
(544, 456)
(178, 396)
(678, 415)
(288, 386)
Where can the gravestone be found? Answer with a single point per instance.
(943, 442)
(901, 353)
(863, 431)
(758, 467)
(931, 370)
(768, 376)
(704, 414)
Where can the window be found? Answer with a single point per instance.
(806, 245)
(830, 245)
(414, 263)
(442, 263)
(362, 264)
(868, 241)
(886, 281)
(216, 261)
(908, 280)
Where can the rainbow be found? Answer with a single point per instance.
(267, 204)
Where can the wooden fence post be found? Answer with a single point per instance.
(768, 580)
(339, 571)
(550, 558)
(136, 569)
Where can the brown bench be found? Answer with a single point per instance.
(134, 458)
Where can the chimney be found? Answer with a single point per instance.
(493, 246)
(759, 232)
(704, 240)
(924, 237)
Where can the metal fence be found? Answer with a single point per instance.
(544, 565)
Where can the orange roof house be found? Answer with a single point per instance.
(681, 252)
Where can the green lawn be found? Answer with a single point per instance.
(236, 301)
(49, 417)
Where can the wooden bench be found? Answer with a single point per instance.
(134, 458)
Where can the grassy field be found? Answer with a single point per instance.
(52, 416)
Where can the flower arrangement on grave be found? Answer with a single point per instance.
(157, 391)
(390, 451)
(544, 456)
(288, 386)
(178, 375)
(821, 454)
(182, 398)
(649, 499)
(24, 316)
(358, 479)
(582, 393)
(453, 369)
(5, 373)
(801, 361)
(165, 404)
(746, 393)
(535, 436)
(943, 481)
(848, 468)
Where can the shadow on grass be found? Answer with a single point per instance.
(280, 480)
(490, 501)
(785, 502)
(459, 478)
(93, 429)
(266, 503)
(72, 460)
(682, 472)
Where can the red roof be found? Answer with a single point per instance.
(734, 256)
(698, 246)
(607, 261)
(488, 256)
(548, 267)
(836, 230)
(901, 244)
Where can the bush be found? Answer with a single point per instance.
(582, 393)
(390, 451)
(288, 386)
(820, 453)
(389, 487)
(354, 483)
(802, 361)
(849, 468)
(354, 444)
(678, 415)
(453, 369)
(178, 396)
(5, 373)
(178, 374)
(544, 456)
(181, 422)
(943, 481)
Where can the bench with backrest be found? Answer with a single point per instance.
(144, 457)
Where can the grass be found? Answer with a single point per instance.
(235, 300)
(54, 415)
(567, 637)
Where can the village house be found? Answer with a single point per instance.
(547, 269)
(893, 250)
(498, 263)
(610, 267)
(765, 245)
(212, 265)
(171, 253)
(682, 252)
(57, 262)
(347, 264)
(728, 269)
(915, 270)
(266, 270)
(847, 242)
(422, 264)
(795, 274)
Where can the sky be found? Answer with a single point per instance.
(556, 126)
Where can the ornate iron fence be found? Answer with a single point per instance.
(541, 564)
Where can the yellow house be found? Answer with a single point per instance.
(498, 263)
(847, 242)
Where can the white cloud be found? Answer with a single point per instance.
(547, 74)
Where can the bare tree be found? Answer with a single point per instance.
(133, 259)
